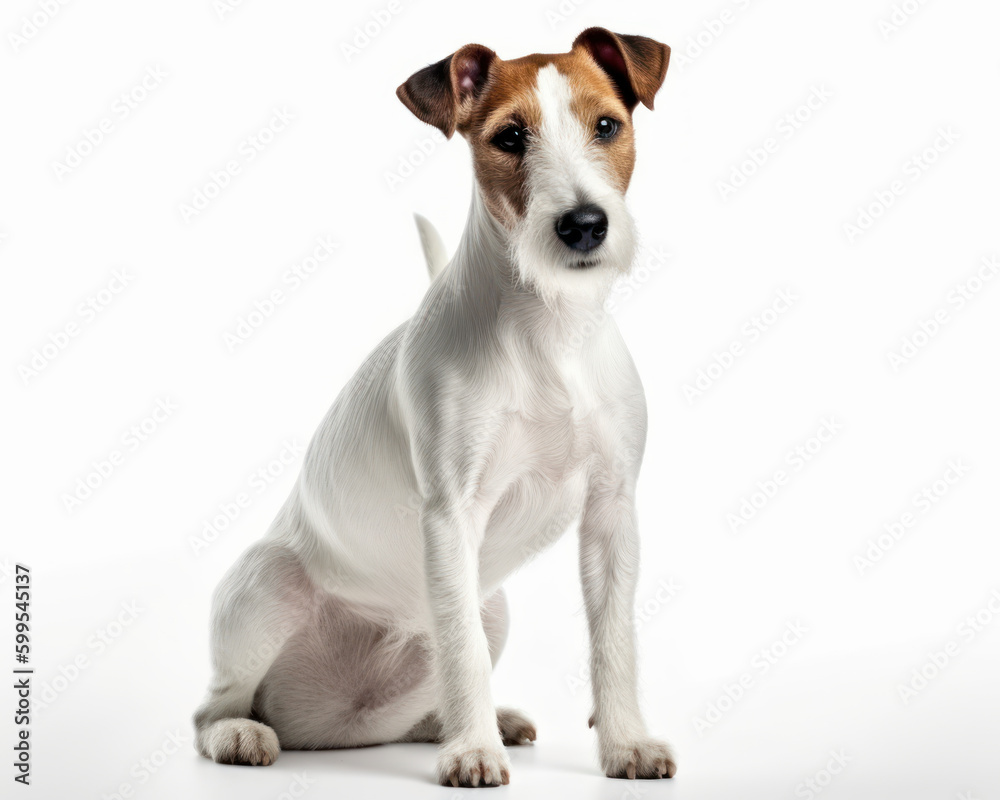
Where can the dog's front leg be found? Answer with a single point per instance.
(609, 566)
(472, 753)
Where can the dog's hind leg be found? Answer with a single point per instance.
(260, 603)
(427, 730)
(515, 728)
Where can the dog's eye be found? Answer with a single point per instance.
(510, 140)
(606, 128)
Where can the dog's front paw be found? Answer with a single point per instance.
(462, 765)
(241, 741)
(644, 758)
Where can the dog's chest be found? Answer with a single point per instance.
(539, 466)
(553, 429)
(547, 454)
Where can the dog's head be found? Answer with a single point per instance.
(552, 147)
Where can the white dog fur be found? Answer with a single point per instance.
(472, 437)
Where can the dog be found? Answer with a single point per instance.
(472, 437)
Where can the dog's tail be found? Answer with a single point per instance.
(434, 252)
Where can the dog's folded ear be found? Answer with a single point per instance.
(443, 93)
(635, 64)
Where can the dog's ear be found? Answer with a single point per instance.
(443, 93)
(635, 64)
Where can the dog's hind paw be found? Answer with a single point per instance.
(515, 728)
(241, 741)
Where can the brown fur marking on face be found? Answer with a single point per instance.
(509, 98)
(594, 97)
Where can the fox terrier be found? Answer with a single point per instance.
(472, 437)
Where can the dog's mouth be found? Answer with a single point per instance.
(584, 263)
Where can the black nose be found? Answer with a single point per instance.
(583, 228)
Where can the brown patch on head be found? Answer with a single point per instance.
(478, 94)
(509, 98)
(594, 97)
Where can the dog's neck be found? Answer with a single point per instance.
(484, 272)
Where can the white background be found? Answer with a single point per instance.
(330, 173)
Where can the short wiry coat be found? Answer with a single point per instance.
(473, 436)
